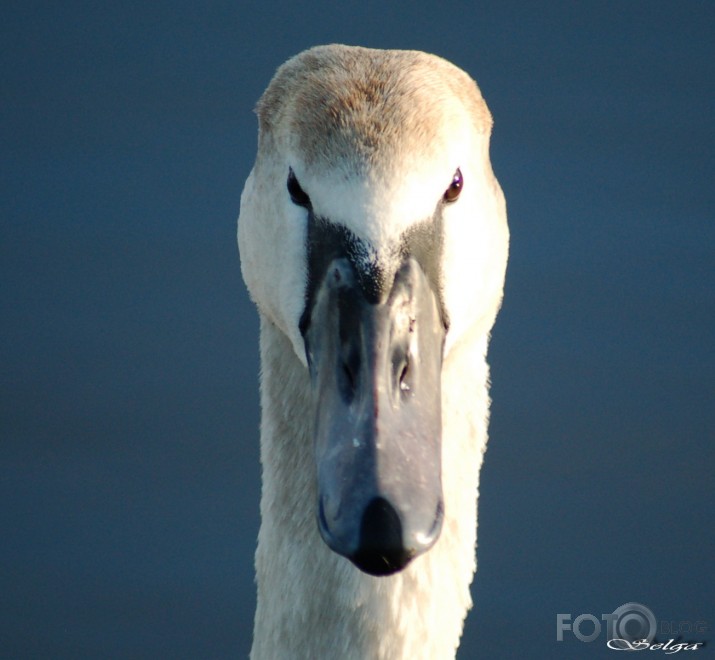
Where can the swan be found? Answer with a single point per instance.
(373, 240)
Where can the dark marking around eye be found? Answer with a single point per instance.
(297, 195)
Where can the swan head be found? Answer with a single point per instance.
(373, 235)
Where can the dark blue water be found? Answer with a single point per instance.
(130, 478)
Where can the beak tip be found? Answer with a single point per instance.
(381, 549)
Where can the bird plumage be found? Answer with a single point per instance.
(374, 138)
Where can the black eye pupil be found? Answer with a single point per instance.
(455, 187)
(297, 194)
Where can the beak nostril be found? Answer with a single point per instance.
(349, 376)
(402, 373)
(404, 385)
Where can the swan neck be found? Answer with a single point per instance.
(315, 603)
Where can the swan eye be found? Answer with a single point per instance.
(452, 193)
(297, 194)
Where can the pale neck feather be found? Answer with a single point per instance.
(313, 603)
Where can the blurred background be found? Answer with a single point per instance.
(129, 470)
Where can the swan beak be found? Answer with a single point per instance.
(376, 371)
